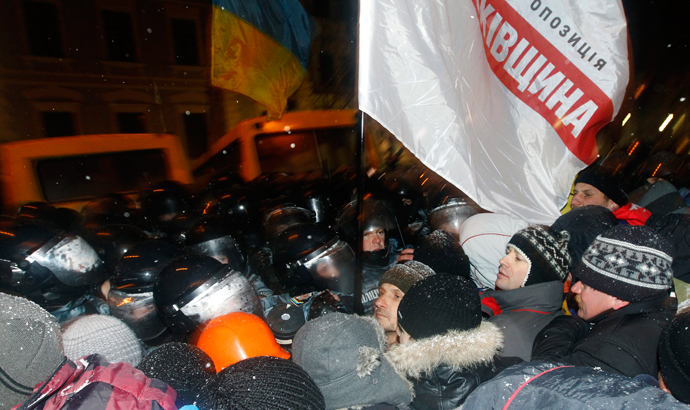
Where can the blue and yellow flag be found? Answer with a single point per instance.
(260, 49)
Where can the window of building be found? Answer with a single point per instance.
(119, 35)
(58, 124)
(195, 130)
(131, 122)
(185, 42)
(42, 28)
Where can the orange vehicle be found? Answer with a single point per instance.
(70, 171)
(300, 142)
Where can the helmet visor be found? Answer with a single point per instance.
(233, 293)
(334, 269)
(138, 311)
(224, 250)
(283, 218)
(450, 217)
(71, 259)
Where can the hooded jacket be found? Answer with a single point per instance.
(446, 368)
(671, 219)
(522, 313)
(91, 383)
(620, 341)
(558, 386)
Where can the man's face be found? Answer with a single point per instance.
(387, 306)
(512, 270)
(374, 240)
(586, 194)
(591, 301)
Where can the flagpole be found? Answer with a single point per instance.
(361, 171)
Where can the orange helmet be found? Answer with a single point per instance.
(237, 336)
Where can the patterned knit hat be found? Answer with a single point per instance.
(184, 367)
(628, 262)
(440, 303)
(106, 335)
(344, 355)
(260, 383)
(545, 251)
(30, 348)
(404, 275)
(674, 357)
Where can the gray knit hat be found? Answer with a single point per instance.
(628, 262)
(106, 335)
(344, 355)
(30, 348)
(404, 275)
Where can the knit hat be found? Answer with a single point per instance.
(404, 275)
(674, 357)
(30, 348)
(440, 303)
(545, 251)
(105, 335)
(262, 382)
(608, 184)
(628, 262)
(583, 225)
(442, 252)
(184, 367)
(344, 355)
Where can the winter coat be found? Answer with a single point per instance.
(534, 385)
(522, 313)
(671, 219)
(446, 368)
(620, 341)
(91, 383)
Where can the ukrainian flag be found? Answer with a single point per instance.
(260, 49)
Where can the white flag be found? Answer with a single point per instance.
(502, 98)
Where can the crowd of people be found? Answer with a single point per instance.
(288, 293)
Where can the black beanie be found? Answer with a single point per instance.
(545, 251)
(628, 262)
(439, 303)
(442, 252)
(184, 367)
(608, 184)
(583, 224)
(260, 383)
(674, 357)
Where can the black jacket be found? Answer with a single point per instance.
(620, 341)
(445, 369)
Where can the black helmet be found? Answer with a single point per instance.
(376, 216)
(48, 267)
(62, 219)
(178, 227)
(402, 188)
(238, 203)
(131, 287)
(194, 289)
(165, 200)
(112, 241)
(215, 236)
(281, 217)
(313, 255)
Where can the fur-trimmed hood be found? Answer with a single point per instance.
(457, 349)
